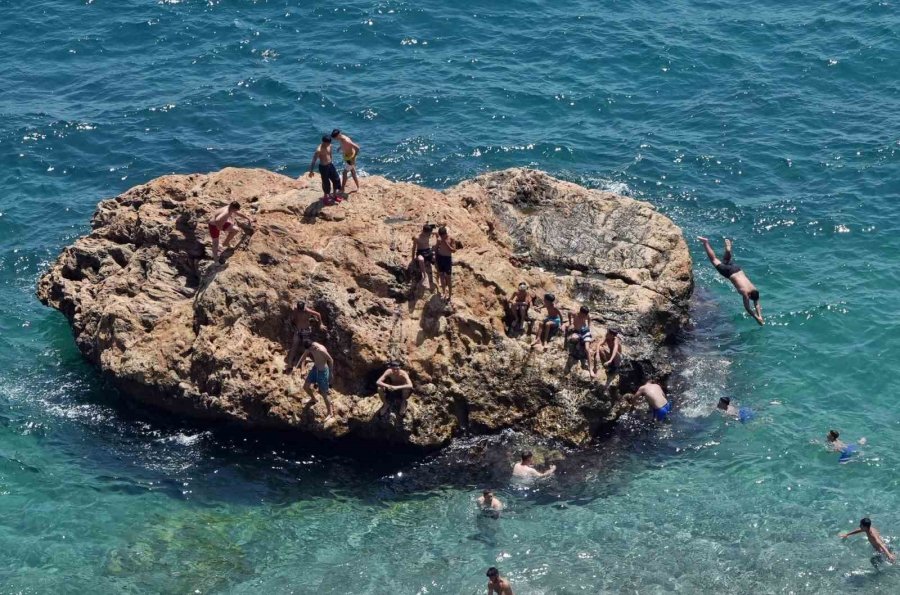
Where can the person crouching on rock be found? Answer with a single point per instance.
(320, 372)
(657, 403)
(326, 169)
(424, 255)
(444, 249)
(223, 220)
(608, 355)
(394, 385)
(551, 323)
(302, 319)
(579, 328)
(519, 304)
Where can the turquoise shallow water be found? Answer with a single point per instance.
(775, 124)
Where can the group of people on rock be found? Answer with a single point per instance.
(334, 186)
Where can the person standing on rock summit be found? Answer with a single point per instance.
(350, 150)
(302, 319)
(223, 220)
(423, 254)
(320, 372)
(326, 169)
(728, 269)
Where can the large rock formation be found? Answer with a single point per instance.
(149, 308)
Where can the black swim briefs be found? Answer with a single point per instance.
(727, 270)
(444, 263)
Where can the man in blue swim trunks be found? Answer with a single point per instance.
(656, 400)
(742, 414)
(320, 372)
(837, 445)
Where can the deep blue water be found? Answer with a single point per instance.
(776, 124)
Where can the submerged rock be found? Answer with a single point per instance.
(151, 310)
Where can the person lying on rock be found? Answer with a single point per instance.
(326, 169)
(519, 304)
(525, 469)
(728, 269)
(444, 249)
(320, 372)
(608, 354)
(394, 386)
(351, 151)
(551, 323)
(302, 319)
(223, 220)
(657, 403)
(424, 255)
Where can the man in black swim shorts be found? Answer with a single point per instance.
(394, 385)
(423, 254)
(731, 271)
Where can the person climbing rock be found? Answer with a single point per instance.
(423, 254)
(301, 319)
(444, 249)
(224, 220)
(319, 373)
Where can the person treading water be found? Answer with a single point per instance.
(525, 469)
(489, 504)
(882, 552)
(742, 414)
(731, 271)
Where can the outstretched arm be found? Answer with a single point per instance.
(710, 253)
(755, 314)
(846, 535)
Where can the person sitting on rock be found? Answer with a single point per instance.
(608, 354)
(319, 373)
(223, 220)
(526, 470)
(551, 323)
(579, 328)
(519, 304)
(302, 319)
(394, 385)
(737, 276)
(657, 403)
(326, 169)
(444, 249)
(424, 255)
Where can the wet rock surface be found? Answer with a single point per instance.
(172, 329)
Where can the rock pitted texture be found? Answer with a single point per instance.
(148, 307)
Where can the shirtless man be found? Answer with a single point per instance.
(526, 470)
(326, 169)
(319, 373)
(579, 327)
(489, 504)
(496, 584)
(424, 255)
(608, 355)
(444, 249)
(551, 323)
(837, 445)
(301, 319)
(742, 414)
(520, 303)
(351, 151)
(738, 278)
(656, 400)
(394, 385)
(223, 220)
(882, 552)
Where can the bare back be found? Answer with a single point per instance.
(654, 394)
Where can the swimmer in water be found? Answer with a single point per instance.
(496, 584)
(526, 470)
(882, 552)
(728, 269)
(489, 504)
(657, 403)
(742, 414)
(837, 445)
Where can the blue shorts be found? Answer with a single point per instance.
(663, 412)
(322, 378)
(745, 414)
(848, 452)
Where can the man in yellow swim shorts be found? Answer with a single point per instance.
(350, 150)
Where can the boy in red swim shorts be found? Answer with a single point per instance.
(223, 220)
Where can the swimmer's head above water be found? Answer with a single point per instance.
(833, 435)
(526, 457)
(724, 402)
(865, 524)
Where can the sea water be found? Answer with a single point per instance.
(776, 124)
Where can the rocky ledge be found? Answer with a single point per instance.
(171, 329)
